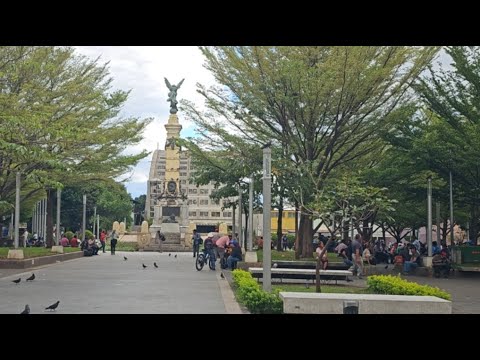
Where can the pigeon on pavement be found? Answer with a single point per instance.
(222, 276)
(155, 264)
(26, 310)
(144, 266)
(31, 278)
(125, 258)
(17, 281)
(53, 306)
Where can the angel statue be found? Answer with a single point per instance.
(172, 95)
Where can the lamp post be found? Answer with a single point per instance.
(59, 200)
(267, 250)
(84, 215)
(451, 211)
(429, 221)
(17, 210)
(250, 216)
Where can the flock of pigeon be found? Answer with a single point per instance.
(27, 307)
(54, 306)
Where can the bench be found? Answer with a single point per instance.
(322, 303)
(309, 265)
(305, 274)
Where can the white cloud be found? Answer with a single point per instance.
(143, 69)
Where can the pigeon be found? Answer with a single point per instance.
(275, 265)
(26, 310)
(386, 266)
(169, 254)
(144, 266)
(175, 256)
(31, 278)
(125, 258)
(155, 264)
(17, 281)
(53, 306)
(222, 276)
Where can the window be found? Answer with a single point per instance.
(194, 202)
(203, 202)
(203, 213)
(161, 166)
(227, 214)
(183, 191)
(216, 202)
(204, 191)
(183, 167)
(291, 215)
(215, 213)
(184, 182)
(183, 174)
(192, 213)
(162, 173)
(192, 191)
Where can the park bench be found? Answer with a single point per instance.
(284, 264)
(304, 274)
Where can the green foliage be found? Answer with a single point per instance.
(69, 235)
(395, 285)
(89, 234)
(321, 108)
(255, 299)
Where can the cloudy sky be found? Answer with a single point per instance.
(142, 70)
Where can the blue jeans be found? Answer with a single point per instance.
(409, 264)
(232, 261)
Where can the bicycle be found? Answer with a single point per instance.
(202, 259)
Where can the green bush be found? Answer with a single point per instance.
(395, 285)
(69, 235)
(255, 299)
(89, 235)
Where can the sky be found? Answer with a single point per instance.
(142, 70)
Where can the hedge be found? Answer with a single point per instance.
(255, 299)
(395, 285)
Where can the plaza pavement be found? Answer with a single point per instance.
(106, 284)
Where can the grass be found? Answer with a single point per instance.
(31, 252)
(290, 256)
(123, 246)
(327, 289)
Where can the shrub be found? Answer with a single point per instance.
(395, 285)
(69, 235)
(255, 299)
(89, 235)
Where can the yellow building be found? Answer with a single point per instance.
(288, 221)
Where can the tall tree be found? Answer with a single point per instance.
(451, 143)
(324, 106)
(59, 121)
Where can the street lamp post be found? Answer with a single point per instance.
(84, 216)
(451, 212)
(429, 222)
(267, 250)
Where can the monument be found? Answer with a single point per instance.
(171, 207)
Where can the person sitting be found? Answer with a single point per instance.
(343, 255)
(324, 259)
(412, 260)
(441, 264)
(74, 242)
(235, 256)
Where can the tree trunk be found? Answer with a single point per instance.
(306, 233)
(280, 225)
(50, 202)
(297, 242)
(246, 230)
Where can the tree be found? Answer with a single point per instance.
(324, 106)
(451, 143)
(59, 122)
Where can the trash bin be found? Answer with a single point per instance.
(350, 307)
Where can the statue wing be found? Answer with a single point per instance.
(180, 83)
(168, 84)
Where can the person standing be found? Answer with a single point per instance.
(284, 242)
(103, 237)
(113, 242)
(159, 238)
(196, 241)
